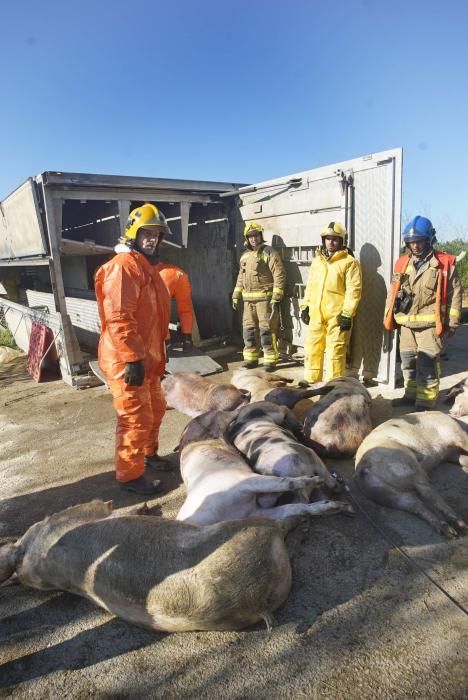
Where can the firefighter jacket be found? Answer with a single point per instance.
(333, 286)
(427, 297)
(261, 276)
(179, 288)
(133, 305)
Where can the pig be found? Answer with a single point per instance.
(160, 574)
(261, 385)
(337, 423)
(394, 462)
(193, 395)
(221, 486)
(265, 434)
(258, 382)
(459, 393)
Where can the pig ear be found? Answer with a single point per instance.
(454, 391)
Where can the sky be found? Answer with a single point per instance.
(239, 91)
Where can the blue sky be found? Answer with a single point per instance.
(239, 91)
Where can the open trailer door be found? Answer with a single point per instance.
(365, 195)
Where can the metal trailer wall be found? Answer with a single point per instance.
(364, 194)
(68, 219)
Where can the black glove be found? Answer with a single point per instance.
(235, 304)
(305, 317)
(134, 373)
(187, 343)
(345, 322)
(275, 306)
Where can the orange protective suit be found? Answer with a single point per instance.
(134, 308)
(179, 288)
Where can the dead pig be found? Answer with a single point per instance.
(221, 486)
(337, 423)
(459, 394)
(193, 395)
(265, 434)
(394, 462)
(262, 385)
(257, 382)
(161, 574)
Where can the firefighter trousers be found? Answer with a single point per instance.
(258, 331)
(325, 337)
(140, 410)
(420, 363)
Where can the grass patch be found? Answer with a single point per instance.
(6, 339)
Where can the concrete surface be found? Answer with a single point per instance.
(360, 621)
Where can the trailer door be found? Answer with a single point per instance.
(364, 194)
(21, 234)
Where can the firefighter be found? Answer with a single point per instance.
(134, 307)
(260, 284)
(178, 285)
(424, 302)
(331, 299)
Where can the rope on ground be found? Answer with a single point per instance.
(399, 549)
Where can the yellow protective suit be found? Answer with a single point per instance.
(333, 287)
(133, 305)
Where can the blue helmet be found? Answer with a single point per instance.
(419, 227)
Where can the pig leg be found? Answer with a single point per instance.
(261, 484)
(401, 498)
(430, 496)
(463, 461)
(9, 554)
(294, 509)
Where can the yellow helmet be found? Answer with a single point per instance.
(146, 216)
(335, 229)
(252, 227)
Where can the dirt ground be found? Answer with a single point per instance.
(360, 621)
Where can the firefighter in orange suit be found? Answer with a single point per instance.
(260, 284)
(331, 299)
(425, 302)
(134, 308)
(178, 285)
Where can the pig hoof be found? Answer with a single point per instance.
(347, 509)
(447, 531)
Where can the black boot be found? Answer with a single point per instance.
(187, 342)
(161, 464)
(142, 485)
(250, 364)
(269, 367)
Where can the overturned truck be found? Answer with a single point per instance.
(57, 228)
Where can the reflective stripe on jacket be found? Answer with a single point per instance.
(435, 290)
(261, 276)
(333, 286)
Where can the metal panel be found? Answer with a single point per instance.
(21, 233)
(83, 314)
(364, 194)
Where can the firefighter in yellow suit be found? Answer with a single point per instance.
(260, 284)
(331, 299)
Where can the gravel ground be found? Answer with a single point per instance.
(360, 621)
